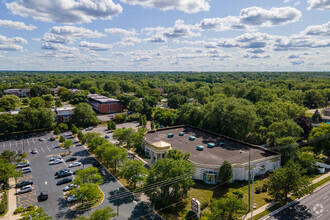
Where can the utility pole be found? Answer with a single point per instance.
(252, 173)
(249, 178)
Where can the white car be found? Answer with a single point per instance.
(26, 170)
(75, 164)
(55, 158)
(69, 187)
(57, 161)
(24, 189)
(72, 198)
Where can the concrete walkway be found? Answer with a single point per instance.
(269, 205)
(12, 204)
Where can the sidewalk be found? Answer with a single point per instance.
(12, 205)
(269, 205)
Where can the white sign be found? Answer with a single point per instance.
(196, 207)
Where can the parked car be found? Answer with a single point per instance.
(71, 159)
(55, 157)
(69, 187)
(65, 180)
(41, 139)
(23, 183)
(75, 164)
(89, 129)
(57, 161)
(20, 152)
(64, 174)
(76, 171)
(34, 151)
(52, 139)
(26, 170)
(43, 196)
(96, 163)
(24, 189)
(62, 171)
(72, 198)
(107, 136)
(24, 164)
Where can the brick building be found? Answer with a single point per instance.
(18, 92)
(103, 104)
(62, 114)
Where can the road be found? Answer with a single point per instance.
(129, 206)
(314, 206)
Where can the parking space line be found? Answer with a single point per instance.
(29, 150)
(16, 144)
(42, 150)
(33, 141)
(28, 141)
(22, 143)
(48, 149)
(10, 144)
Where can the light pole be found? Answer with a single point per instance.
(252, 206)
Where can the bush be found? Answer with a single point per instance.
(204, 205)
(191, 215)
(258, 189)
(133, 117)
(118, 118)
(264, 187)
(18, 210)
(3, 208)
(29, 208)
(238, 193)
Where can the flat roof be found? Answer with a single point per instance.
(101, 98)
(236, 152)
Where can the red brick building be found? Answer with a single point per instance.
(103, 104)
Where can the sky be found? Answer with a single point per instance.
(165, 35)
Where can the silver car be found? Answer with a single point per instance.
(26, 170)
(55, 158)
(24, 189)
(57, 161)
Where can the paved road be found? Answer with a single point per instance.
(314, 206)
(43, 177)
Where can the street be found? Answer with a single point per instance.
(314, 206)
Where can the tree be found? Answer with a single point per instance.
(118, 118)
(49, 100)
(63, 127)
(144, 121)
(320, 139)
(80, 135)
(58, 103)
(114, 157)
(39, 90)
(283, 133)
(79, 97)
(62, 139)
(57, 131)
(74, 129)
(10, 156)
(316, 117)
(165, 170)
(94, 142)
(125, 136)
(37, 102)
(176, 154)
(315, 99)
(8, 170)
(225, 172)
(25, 101)
(67, 144)
(305, 124)
(88, 175)
(36, 214)
(109, 125)
(133, 171)
(84, 116)
(175, 101)
(87, 191)
(152, 125)
(226, 208)
(9, 102)
(288, 180)
(100, 214)
(113, 125)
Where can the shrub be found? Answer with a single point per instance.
(204, 205)
(191, 215)
(264, 187)
(29, 208)
(258, 189)
(238, 193)
(18, 210)
(133, 117)
(3, 208)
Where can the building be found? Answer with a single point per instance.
(18, 92)
(62, 114)
(208, 151)
(103, 104)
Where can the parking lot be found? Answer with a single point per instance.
(43, 179)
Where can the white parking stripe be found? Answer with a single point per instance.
(48, 149)
(10, 144)
(16, 143)
(42, 150)
(28, 141)
(33, 141)
(22, 143)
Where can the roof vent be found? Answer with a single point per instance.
(210, 145)
(170, 135)
(199, 147)
(181, 134)
(192, 138)
(222, 144)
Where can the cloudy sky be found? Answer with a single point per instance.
(165, 35)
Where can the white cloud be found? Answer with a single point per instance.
(120, 31)
(188, 6)
(95, 46)
(11, 44)
(129, 41)
(59, 47)
(252, 17)
(319, 4)
(320, 30)
(16, 25)
(65, 11)
(248, 40)
(157, 39)
(75, 32)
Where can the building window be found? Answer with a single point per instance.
(210, 177)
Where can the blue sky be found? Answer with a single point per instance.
(165, 35)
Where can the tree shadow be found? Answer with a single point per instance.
(144, 210)
(121, 196)
(295, 211)
(82, 153)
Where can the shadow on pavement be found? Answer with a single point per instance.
(143, 210)
(120, 196)
(295, 211)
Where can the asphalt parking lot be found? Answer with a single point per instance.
(43, 179)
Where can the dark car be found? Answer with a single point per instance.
(24, 183)
(65, 180)
(20, 152)
(71, 159)
(62, 171)
(52, 139)
(64, 174)
(43, 196)
(96, 164)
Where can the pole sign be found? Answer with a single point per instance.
(196, 207)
